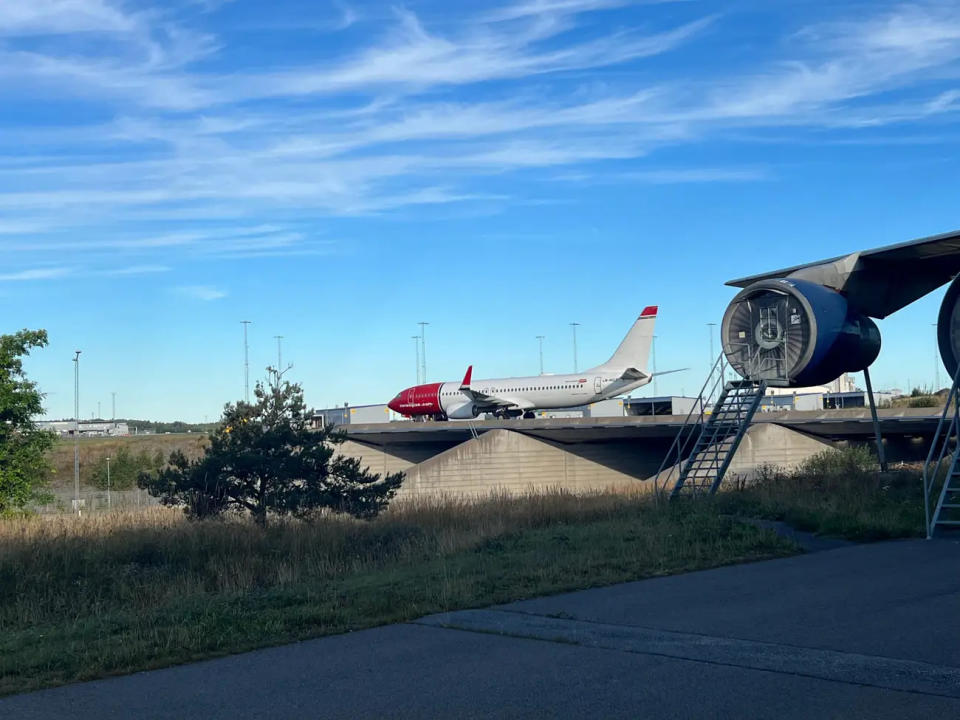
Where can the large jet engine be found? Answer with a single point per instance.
(808, 324)
(948, 328)
(795, 333)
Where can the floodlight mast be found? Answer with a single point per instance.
(423, 348)
(246, 363)
(76, 431)
(416, 342)
(574, 325)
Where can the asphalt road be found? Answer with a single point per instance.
(868, 631)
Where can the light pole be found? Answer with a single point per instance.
(653, 358)
(278, 338)
(108, 483)
(574, 326)
(713, 359)
(99, 416)
(113, 402)
(423, 348)
(936, 360)
(246, 363)
(416, 344)
(540, 340)
(76, 431)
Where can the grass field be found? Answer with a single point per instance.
(115, 593)
(837, 493)
(91, 449)
(123, 591)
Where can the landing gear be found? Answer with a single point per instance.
(507, 414)
(529, 415)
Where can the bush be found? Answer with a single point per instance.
(125, 468)
(836, 492)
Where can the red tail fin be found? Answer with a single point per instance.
(466, 378)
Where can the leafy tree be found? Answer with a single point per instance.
(263, 458)
(125, 468)
(23, 465)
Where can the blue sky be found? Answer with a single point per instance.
(335, 172)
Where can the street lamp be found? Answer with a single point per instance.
(423, 346)
(540, 340)
(76, 431)
(713, 359)
(246, 363)
(416, 343)
(108, 483)
(653, 358)
(574, 326)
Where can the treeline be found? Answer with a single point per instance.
(177, 426)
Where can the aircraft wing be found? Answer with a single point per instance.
(486, 400)
(483, 399)
(880, 281)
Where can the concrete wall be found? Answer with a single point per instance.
(383, 461)
(511, 461)
(769, 444)
(764, 444)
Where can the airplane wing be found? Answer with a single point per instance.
(487, 400)
(882, 280)
(634, 374)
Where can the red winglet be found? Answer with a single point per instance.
(466, 378)
(649, 311)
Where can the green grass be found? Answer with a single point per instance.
(836, 493)
(119, 593)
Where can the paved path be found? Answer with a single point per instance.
(868, 631)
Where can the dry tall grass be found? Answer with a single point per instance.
(116, 592)
(63, 566)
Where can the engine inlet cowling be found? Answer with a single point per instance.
(948, 328)
(795, 333)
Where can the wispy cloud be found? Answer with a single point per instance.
(49, 273)
(201, 160)
(200, 292)
(136, 270)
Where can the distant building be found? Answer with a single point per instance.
(663, 405)
(350, 415)
(66, 428)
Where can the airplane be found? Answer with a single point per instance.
(510, 398)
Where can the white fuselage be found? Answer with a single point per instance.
(536, 392)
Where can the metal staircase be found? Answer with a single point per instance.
(941, 471)
(706, 443)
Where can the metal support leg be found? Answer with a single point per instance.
(876, 422)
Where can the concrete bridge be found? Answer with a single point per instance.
(595, 453)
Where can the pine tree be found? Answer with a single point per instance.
(264, 459)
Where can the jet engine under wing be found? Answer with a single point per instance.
(879, 282)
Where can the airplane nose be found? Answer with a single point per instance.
(395, 403)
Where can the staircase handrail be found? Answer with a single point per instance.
(929, 478)
(681, 443)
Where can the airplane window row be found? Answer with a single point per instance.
(523, 389)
